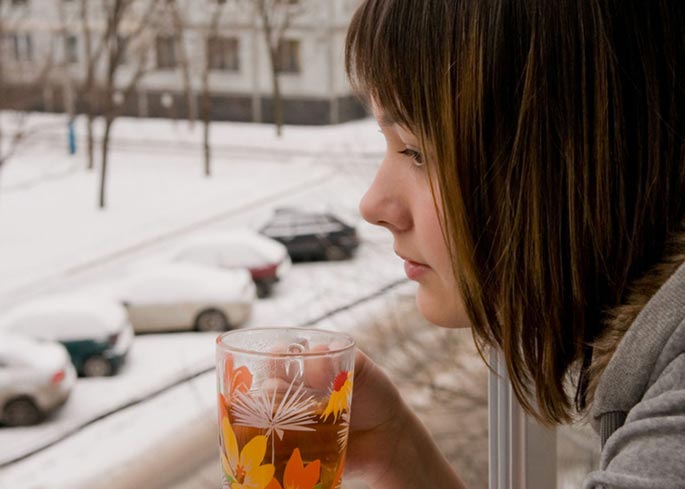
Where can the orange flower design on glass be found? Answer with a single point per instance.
(297, 475)
(341, 394)
(236, 379)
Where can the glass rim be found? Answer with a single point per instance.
(267, 354)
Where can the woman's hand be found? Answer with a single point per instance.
(388, 446)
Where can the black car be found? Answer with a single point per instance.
(310, 236)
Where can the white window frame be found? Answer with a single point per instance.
(522, 453)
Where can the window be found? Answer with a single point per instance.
(288, 57)
(224, 53)
(20, 46)
(19, 3)
(71, 49)
(166, 53)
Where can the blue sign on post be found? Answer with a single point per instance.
(72, 138)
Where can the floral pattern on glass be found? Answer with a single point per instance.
(235, 379)
(298, 475)
(273, 412)
(341, 396)
(242, 468)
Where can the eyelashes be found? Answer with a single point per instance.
(414, 155)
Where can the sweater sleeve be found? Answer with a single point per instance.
(648, 451)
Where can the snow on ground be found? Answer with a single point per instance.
(53, 239)
(154, 362)
(49, 222)
(316, 292)
(166, 438)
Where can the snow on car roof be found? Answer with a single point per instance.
(270, 250)
(28, 351)
(11, 341)
(181, 282)
(66, 317)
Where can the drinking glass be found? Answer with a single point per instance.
(284, 407)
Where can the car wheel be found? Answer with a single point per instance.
(335, 253)
(97, 367)
(211, 320)
(21, 412)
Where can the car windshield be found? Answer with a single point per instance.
(301, 224)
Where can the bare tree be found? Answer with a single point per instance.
(94, 43)
(179, 20)
(211, 46)
(275, 17)
(128, 37)
(209, 23)
(23, 72)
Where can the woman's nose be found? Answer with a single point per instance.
(385, 204)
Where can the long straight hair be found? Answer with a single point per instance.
(555, 133)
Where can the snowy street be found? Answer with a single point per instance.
(154, 422)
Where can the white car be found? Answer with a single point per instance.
(36, 378)
(266, 259)
(95, 330)
(181, 296)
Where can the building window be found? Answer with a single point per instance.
(288, 57)
(166, 53)
(71, 49)
(19, 3)
(224, 53)
(20, 45)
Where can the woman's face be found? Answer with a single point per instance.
(400, 199)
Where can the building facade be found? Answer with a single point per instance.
(49, 45)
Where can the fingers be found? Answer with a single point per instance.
(317, 372)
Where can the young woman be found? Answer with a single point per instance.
(534, 184)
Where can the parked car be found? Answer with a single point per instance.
(36, 378)
(180, 296)
(95, 331)
(312, 235)
(266, 259)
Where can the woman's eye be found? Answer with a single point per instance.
(413, 154)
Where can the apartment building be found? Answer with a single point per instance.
(44, 58)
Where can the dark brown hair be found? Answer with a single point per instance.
(555, 133)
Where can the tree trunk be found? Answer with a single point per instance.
(206, 119)
(2, 153)
(278, 103)
(91, 139)
(105, 153)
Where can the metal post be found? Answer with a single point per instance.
(72, 137)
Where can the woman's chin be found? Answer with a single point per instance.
(441, 311)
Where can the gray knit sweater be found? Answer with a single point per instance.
(639, 407)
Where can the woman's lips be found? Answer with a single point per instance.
(414, 270)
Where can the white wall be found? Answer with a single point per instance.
(320, 30)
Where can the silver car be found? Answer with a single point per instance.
(184, 297)
(36, 378)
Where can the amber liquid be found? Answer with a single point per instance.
(322, 443)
